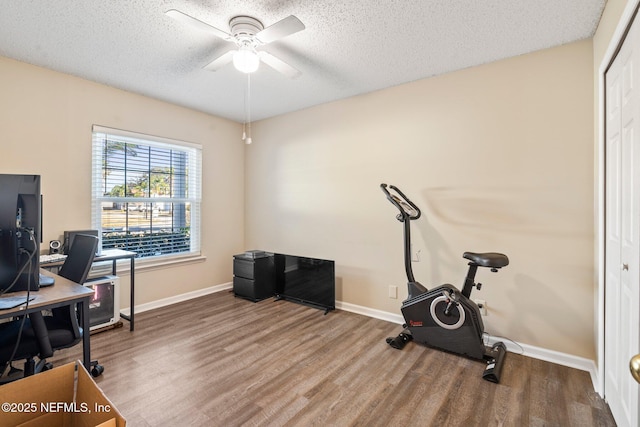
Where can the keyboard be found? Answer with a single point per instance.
(49, 259)
(11, 302)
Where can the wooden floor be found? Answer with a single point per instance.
(223, 361)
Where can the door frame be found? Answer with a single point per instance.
(612, 49)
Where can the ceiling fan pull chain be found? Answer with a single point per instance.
(248, 140)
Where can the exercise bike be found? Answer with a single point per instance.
(443, 317)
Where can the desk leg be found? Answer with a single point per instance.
(86, 335)
(132, 276)
(133, 292)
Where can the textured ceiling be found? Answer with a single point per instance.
(349, 47)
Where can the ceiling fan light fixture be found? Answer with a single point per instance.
(246, 60)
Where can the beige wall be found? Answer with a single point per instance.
(499, 157)
(45, 128)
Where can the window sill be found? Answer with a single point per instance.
(159, 263)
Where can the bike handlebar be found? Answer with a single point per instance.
(406, 207)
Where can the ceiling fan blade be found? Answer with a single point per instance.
(196, 23)
(280, 29)
(220, 61)
(279, 65)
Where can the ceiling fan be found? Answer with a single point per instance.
(247, 33)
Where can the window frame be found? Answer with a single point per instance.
(193, 181)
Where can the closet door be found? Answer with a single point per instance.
(622, 262)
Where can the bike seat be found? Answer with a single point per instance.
(487, 259)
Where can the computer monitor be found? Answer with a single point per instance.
(20, 232)
(69, 237)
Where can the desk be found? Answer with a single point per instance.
(113, 255)
(63, 293)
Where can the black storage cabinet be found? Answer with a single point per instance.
(253, 275)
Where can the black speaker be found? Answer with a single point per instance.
(54, 247)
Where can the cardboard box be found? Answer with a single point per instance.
(57, 398)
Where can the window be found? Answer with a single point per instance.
(146, 193)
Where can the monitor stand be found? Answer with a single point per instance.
(46, 280)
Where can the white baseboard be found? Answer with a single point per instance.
(178, 298)
(552, 356)
(532, 351)
(370, 312)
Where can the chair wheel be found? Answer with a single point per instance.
(47, 367)
(97, 370)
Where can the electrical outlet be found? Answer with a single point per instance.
(482, 305)
(393, 292)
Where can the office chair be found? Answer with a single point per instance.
(34, 341)
(42, 335)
